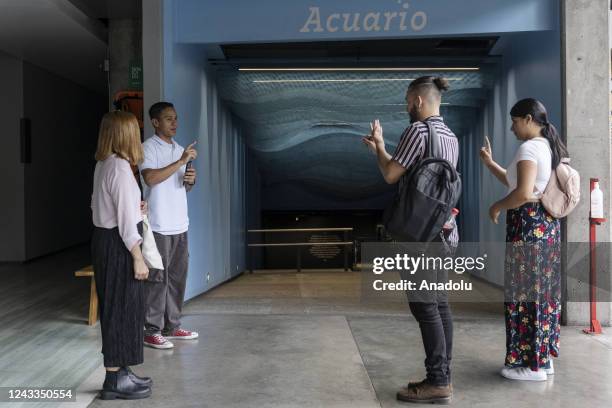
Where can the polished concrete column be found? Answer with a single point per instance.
(125, 47)
(152, 53)
(586, 63)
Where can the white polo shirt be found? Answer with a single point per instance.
(167, 200)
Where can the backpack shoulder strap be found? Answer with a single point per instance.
(433, 141)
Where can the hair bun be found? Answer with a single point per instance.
(441, 84)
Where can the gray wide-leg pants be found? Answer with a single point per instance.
(165, 289)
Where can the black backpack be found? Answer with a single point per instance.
(425, 198)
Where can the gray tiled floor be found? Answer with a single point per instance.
(312, 360)
(260, 361)
(280, 340)
(392, 353)
(44, 337)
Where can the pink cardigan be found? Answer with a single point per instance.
(115, 201)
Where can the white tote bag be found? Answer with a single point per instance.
(149, 248)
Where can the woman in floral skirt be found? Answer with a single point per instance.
(533, 245)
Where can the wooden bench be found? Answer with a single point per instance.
(93, 295)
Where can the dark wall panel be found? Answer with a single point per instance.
(64, 120)
(364, 223)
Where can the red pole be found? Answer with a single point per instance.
(593, 223)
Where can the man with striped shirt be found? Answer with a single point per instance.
(423, 100)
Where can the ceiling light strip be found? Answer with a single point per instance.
(357, 69)
(273, 81)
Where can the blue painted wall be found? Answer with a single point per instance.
(217, 204)
(206, 21)
(218, 213)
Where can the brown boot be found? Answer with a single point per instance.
(425, 393)
(414, 384)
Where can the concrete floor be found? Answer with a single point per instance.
(44, 337)
(280, 340)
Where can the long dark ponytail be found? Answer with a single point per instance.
(538, 112)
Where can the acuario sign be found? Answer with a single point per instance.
(369, 22)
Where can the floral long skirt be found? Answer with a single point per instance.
(532, 286)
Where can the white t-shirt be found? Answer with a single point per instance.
(538, 151)
(167, 200)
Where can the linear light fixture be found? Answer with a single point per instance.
(382, 104)
(373, 105)
(357, 69)
(272, 81)
(268, 81)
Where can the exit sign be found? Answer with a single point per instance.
(135, 76)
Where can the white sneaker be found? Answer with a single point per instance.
(523, 374)
(551, 370)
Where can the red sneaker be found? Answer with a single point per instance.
(180, 334)
(157, 341)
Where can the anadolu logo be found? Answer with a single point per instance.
(369, 22)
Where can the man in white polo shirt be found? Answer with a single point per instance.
(166, 183)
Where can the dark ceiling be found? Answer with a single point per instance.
(395, 48)
(110, 9)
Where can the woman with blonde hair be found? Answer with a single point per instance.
(117, 260)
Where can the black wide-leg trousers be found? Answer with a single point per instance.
(121, 298)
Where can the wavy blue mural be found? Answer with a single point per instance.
(305, 127)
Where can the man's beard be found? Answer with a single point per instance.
(413, 115)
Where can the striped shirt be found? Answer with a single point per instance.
(413, 143)
(412, 148)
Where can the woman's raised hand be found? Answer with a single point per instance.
(486, 154)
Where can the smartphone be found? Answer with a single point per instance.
(187, 167)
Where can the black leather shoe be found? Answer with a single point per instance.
(119, 385)
(138, 379)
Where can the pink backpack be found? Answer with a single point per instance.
(562, 193)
